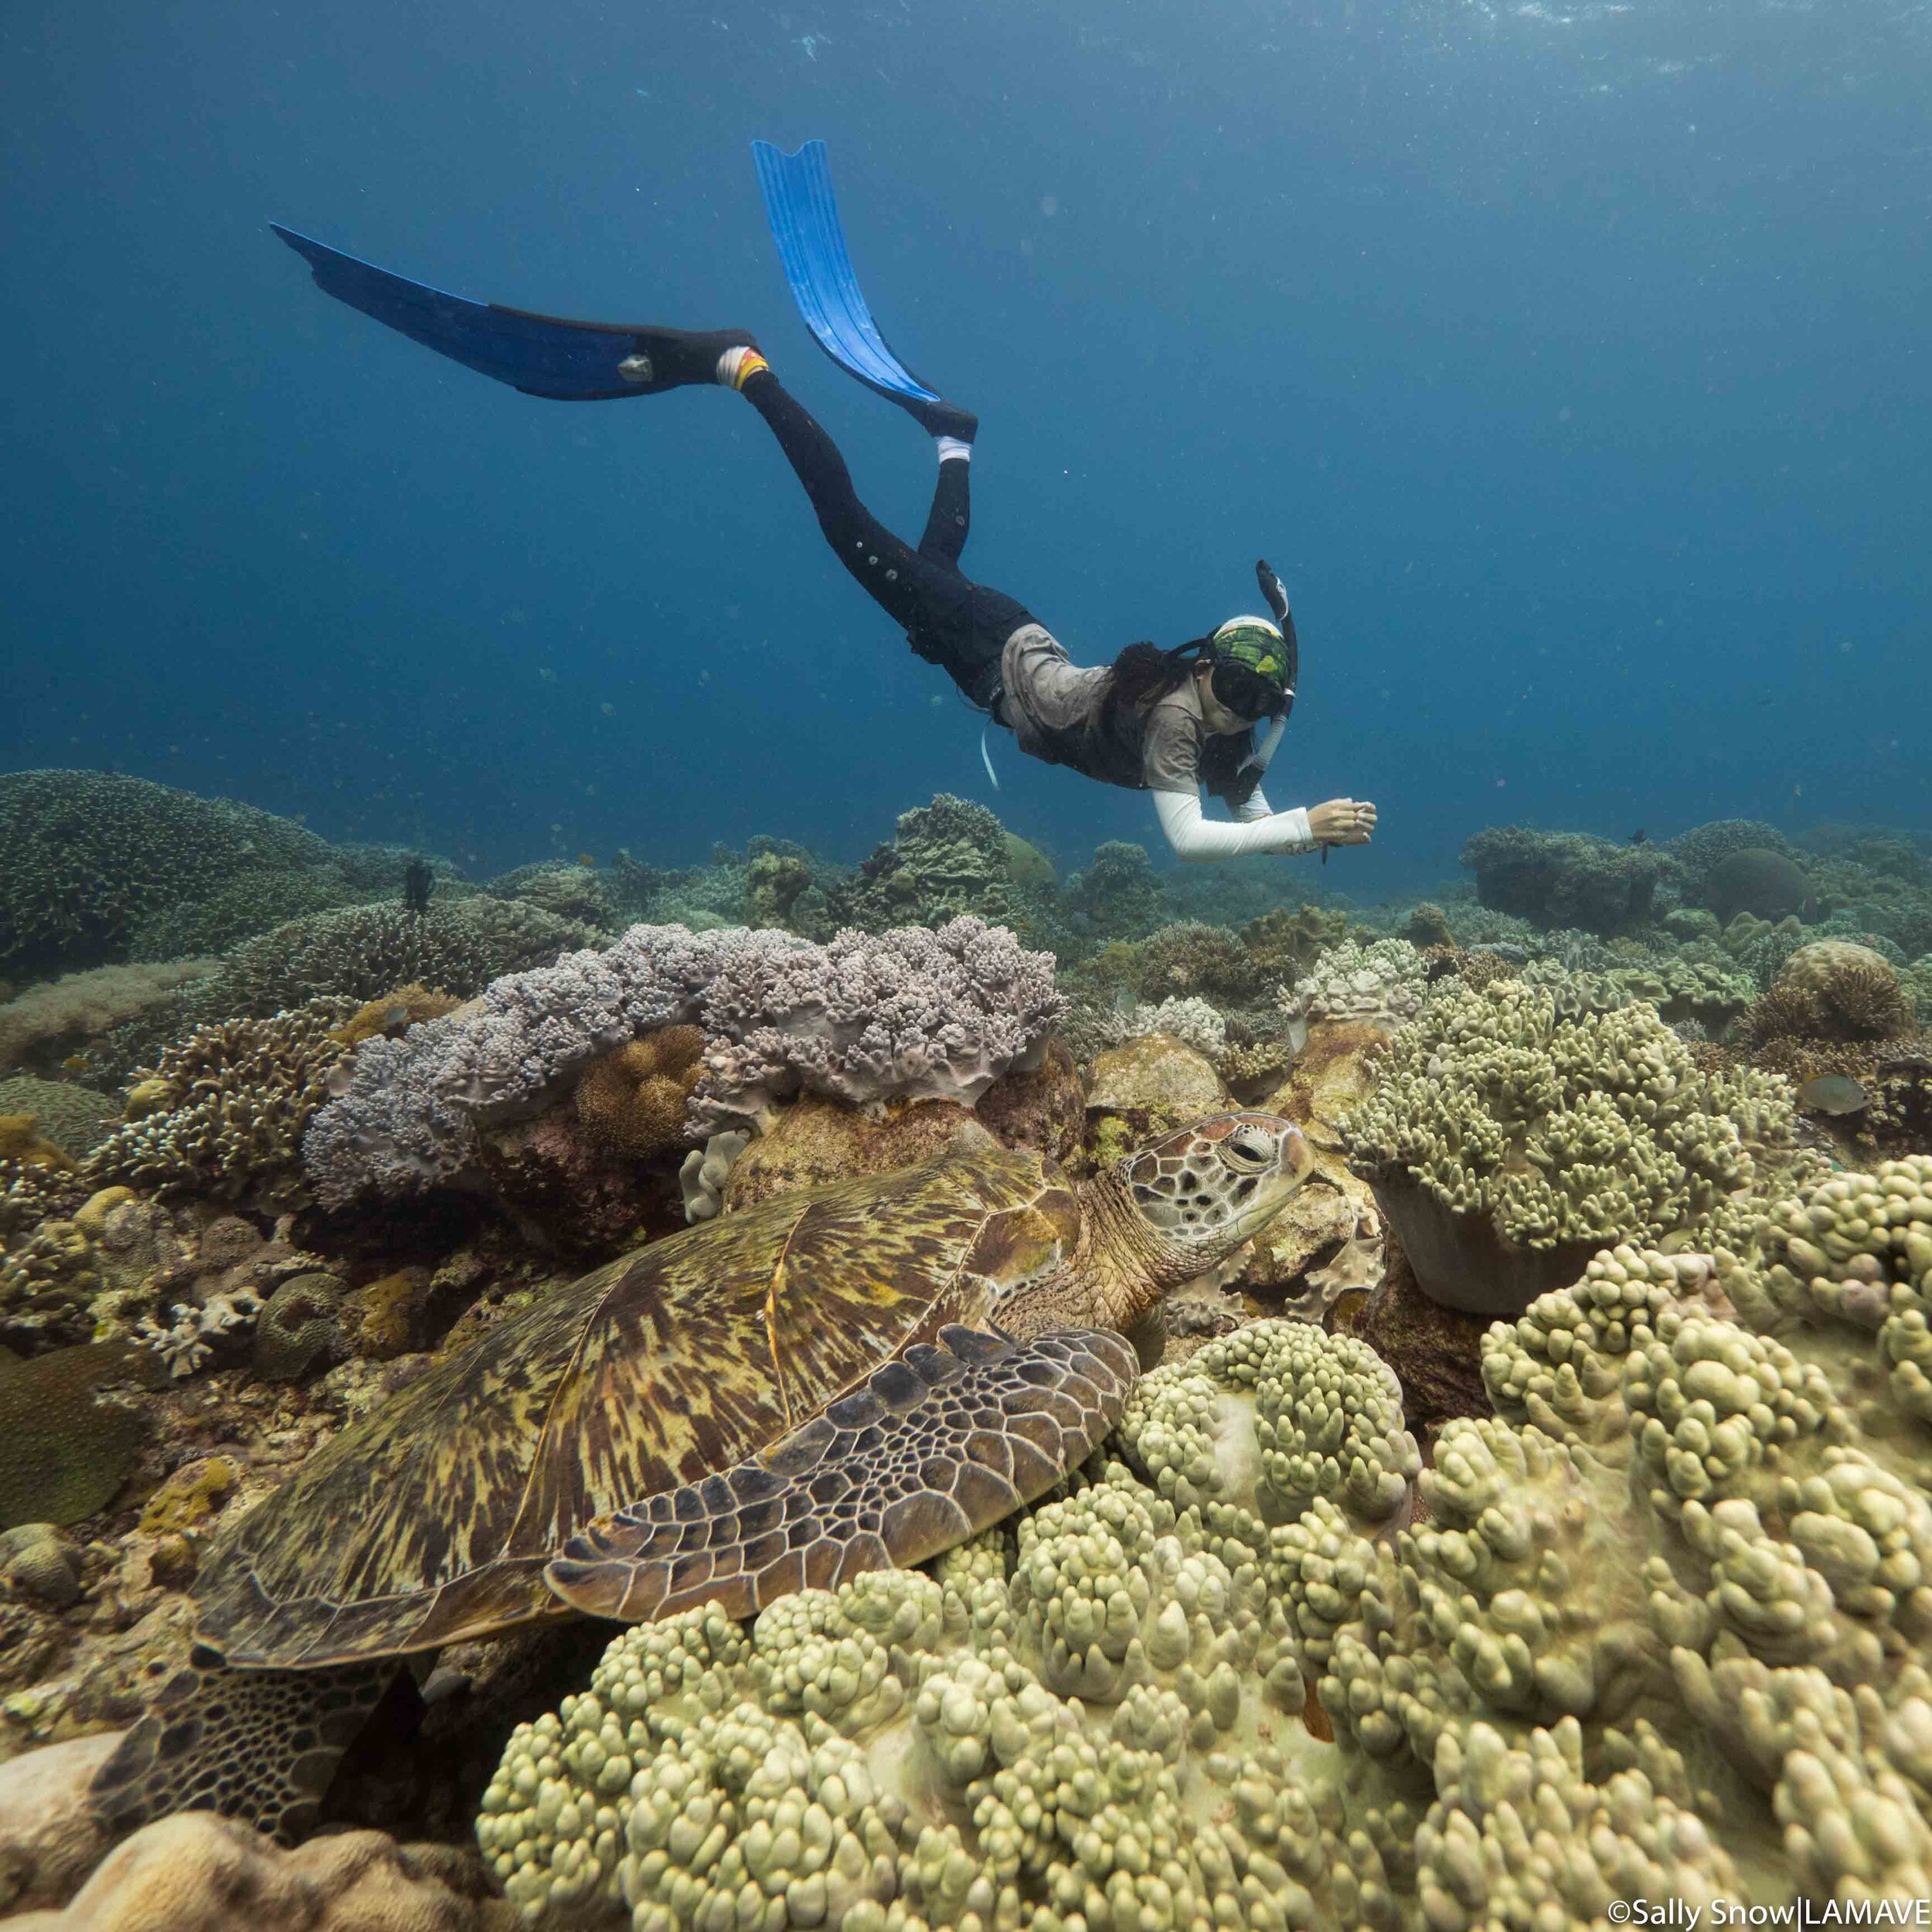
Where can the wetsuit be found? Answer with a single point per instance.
(1005, 662)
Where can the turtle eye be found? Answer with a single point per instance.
(1248, 1149)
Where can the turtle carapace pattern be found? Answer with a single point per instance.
(852, 1377)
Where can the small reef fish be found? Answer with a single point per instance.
(1832, 1094)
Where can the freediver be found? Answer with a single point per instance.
(1170, 722)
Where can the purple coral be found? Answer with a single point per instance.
(904, 1014)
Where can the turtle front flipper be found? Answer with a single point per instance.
(939, 1444)
(258, 1745)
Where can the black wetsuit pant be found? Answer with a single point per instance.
(950, 621)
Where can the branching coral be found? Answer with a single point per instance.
(222, 1113)
(85, 855)
(909, 1014)
(1565, 878)
(1530, 1133)
(360, 952)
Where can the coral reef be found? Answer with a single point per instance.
(1504, 1142)
(1381, 984)
(1117, 895)
(576, 893)
(1766, 884)
(360, 952)
(66, 1446)
(74, 1118)
(1285, 944)
(904, 1016)
(238, 910)
(222, 1113)
(393, 1013)
(85, 855)
(1554, 879)
(201, 1873)
(632, 1101)
(47, 1022)
(946, 859)
(1831, 991)
(1099, 1722)
(299, 1327)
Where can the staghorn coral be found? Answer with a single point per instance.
(908, 1015)
(360, 952)
(221, 1115)
(1558, 878)
(85, 855)
(46, 1022)
(632, 1101)
(1497, 1131)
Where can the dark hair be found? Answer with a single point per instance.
(1143, 674)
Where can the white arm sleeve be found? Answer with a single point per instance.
(1253, 807)
(1194, 836)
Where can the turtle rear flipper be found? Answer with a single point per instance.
(942, 1443)
(258, 1745)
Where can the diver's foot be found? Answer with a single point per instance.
(664, 359)
(940, 418)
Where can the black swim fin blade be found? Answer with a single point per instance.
(546, 356)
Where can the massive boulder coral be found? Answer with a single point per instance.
(1505, 1143)
(84, 855)
(908, 1015)
(1829, 990)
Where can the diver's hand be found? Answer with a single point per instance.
(1342, 822)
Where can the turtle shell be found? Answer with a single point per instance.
(432, 1520)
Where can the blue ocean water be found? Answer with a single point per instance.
(1568, 361)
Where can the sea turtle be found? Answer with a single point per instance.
(854, 1376)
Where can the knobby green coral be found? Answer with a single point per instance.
(1601, 1128)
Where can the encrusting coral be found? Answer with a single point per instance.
(907, 1015)
(1496, 1131)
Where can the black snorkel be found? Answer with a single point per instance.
(1276, 594)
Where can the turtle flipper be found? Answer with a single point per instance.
(257, 1745)
(941, 1443)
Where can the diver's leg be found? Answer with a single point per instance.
(951, 517)
(900, 581)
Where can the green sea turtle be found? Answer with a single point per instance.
(856, 1376)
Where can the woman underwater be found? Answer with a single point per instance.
(1167, 722)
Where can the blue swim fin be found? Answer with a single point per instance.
(803, 214)
(540, 354)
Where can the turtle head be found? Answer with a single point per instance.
(1202, 1191)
